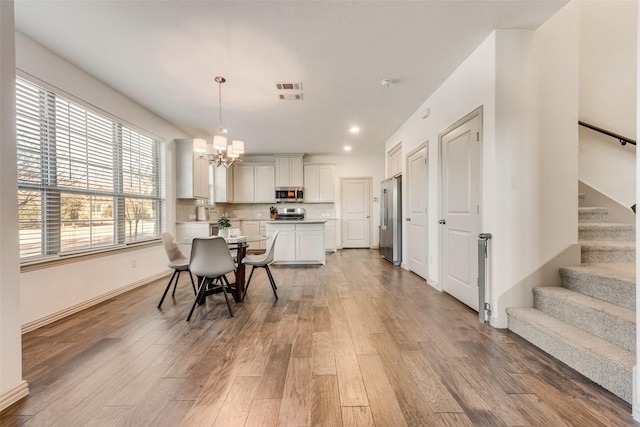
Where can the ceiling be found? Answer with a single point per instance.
(164, 55)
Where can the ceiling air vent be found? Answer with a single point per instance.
(291, 96)
(289, 91)
(289, 86)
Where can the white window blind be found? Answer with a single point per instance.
(84, 180)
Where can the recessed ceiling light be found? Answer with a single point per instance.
(354, 129)
(347, 148)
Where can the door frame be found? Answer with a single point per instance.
(423, 146)
(370, 182)
(475, 113)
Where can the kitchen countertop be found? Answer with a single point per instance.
(196, 222)
(298, 221)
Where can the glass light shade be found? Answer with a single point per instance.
(220, 142)
(238, 146)
(199, 145)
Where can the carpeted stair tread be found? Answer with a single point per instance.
(608, 251)
(614, 283)
(602, 362)
(592, 214)
(591, 231)
(605, 320)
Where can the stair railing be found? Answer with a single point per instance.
(623, 140)
(484, 308)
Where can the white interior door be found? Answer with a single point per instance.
(416, 219)
(356, 213)
(460, 222)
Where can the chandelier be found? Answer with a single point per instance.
(219, 152)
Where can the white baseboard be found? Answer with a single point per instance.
(43, 321)
(10, 397)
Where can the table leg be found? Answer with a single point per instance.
(240, 273)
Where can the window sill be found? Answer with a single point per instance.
(71, 258)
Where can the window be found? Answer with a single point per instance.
(85, 181)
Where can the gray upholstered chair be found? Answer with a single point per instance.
(211, 260)
(262, 261)
(177, 261)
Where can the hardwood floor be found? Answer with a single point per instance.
(357, 342)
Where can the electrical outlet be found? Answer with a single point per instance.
(134, 263)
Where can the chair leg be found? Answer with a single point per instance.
(273, 282)
(224, 291)
(175, 285)
(193, 285)
(246, 288)
(167, 288)
(200, 291)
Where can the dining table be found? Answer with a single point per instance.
(240, 244)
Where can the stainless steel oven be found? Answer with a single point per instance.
(289, 194)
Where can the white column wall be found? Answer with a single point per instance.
(49, 291)
(536, 155)
(636, 373)
(608, 62)
(12, 387)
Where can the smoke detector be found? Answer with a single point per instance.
(386, 82)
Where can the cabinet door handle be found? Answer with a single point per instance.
(442, 221)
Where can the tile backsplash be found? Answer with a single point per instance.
(186, 210)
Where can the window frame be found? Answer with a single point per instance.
(49, 246)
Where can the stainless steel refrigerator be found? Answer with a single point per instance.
(391, 220)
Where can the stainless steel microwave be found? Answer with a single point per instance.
(289, 194)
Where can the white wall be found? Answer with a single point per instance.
(47, 291)
(608, 61)
(526, 83)
(472, 85)
(348, 166)
(12, 387)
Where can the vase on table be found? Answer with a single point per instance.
(223, 232)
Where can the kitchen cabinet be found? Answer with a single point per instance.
(394, 161)
(192, 170)
(330, 235)
(289, 170)
(254, 183)
(299, 243)
(223, 184)
(319, 183)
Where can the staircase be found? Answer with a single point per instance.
(589, 322)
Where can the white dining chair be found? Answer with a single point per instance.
(211, 260)
(177, 261)
(262, 261)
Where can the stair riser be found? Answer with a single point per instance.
(604, 288)
(620, 332)
(594, 255)
(606, 234)
(616, 379)
(592, 217)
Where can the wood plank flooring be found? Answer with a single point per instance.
(357, 342)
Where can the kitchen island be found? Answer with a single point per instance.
(300, 242)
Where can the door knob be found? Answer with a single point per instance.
(442, 221)
(408, 219)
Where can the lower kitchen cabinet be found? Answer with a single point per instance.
(330, 236)
(299, 243)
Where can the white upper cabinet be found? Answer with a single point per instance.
(192, 170)
(223, 184)
(319, 183)
(394, 161)
(253, 184)
(289, 170)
